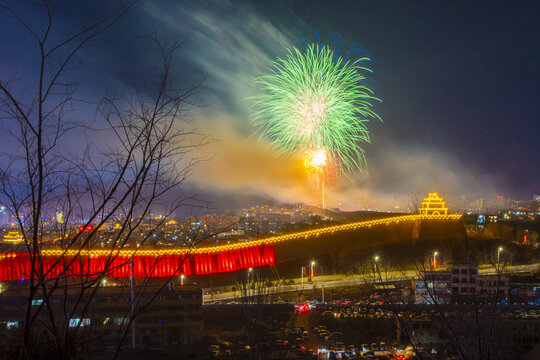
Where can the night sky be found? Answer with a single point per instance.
(459, 82)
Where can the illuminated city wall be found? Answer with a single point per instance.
(199, 261)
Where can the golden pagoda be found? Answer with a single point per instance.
(13, 237)
(433, 205)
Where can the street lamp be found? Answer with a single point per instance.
(313, 263)
(312, 271)
(375, 260)
(499, 256)
(182, 280)
(248, 284)
(435, 259)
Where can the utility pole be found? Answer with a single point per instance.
(185, 324)
(211, 291)
(132, 285)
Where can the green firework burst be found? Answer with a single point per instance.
(317, 99)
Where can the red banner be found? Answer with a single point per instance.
(16, 266)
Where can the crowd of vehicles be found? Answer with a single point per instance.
(329, 331)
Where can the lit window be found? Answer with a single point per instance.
(121, 320)
(79, 322)
(12, 324)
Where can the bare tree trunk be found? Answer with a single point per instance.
(147, 159)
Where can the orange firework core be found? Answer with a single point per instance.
(315, 161)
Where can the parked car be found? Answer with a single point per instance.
(214, 350)
(281, 342)
(295, 331)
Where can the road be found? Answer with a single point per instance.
(337, 280)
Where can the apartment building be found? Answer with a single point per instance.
(168, 313)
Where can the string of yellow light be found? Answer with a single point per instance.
(267, 241)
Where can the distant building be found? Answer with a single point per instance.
(492, 287)
(217, 224)
(433, 287)
(5, 218)
(464, 281)
(457, 202)
(524, 293)
(263, 223)
(477, 205)
(173, 317)
(461, 284)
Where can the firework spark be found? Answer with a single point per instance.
(315, 161)
(317, 100)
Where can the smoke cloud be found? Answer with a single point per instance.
(231, 44)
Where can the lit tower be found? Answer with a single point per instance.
(433, 205)
(60, 217)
